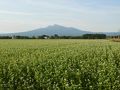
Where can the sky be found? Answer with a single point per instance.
(89, 15)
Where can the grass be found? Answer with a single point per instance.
(59, 65)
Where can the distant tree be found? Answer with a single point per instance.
(43, 37)
(21, 37)
(33, 37)
(94, 36)
(56, 36)
(5, 37)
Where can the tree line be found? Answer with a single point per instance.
(56, 36)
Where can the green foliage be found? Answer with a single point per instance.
(94, 36)
(59, 65)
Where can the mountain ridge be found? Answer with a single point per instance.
(57, 29)
(51, 30)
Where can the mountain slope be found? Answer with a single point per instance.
(60, 30)
(51, 30)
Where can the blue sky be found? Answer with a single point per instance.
(90, 15)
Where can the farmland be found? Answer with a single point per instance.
(59, 65)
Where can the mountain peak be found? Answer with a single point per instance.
(51, 30)
(56, 26)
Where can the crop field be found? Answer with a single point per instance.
(59, 65)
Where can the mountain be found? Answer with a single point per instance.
(112, 33)
(58, 29)
(51, 30)
(109, 33)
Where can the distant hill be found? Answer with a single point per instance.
(112, 33)
(58, 29)
(51, 30)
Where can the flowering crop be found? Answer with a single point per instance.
(59, 65)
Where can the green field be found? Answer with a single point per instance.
(59, 65)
